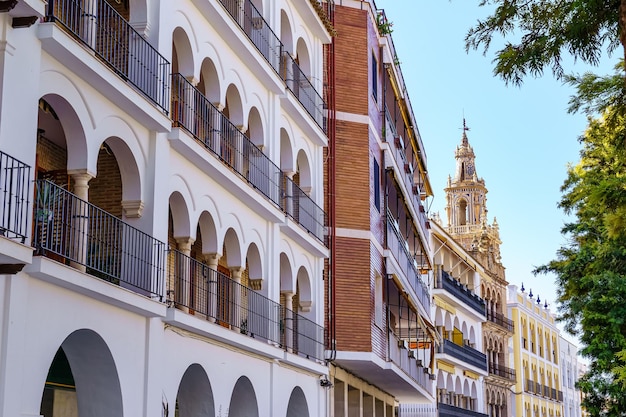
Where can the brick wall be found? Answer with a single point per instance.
(105, 191)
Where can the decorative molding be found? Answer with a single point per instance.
(132, 208)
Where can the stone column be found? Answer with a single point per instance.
(288, 324)
(183, 275)
(80, 221)
(212, 260)
(216, 116)
(289, 190)
(239, 314)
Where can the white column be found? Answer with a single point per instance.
(212, 260)
(183, 275)
(237, 309)
(288, 320)
(80, 220)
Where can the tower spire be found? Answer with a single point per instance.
(464, 141)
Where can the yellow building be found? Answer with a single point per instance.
(535, 356)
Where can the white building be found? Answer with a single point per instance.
(176, 212)
(569, 375)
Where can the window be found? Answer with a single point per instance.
(376, 185)
(374, 77)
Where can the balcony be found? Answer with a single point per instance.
(400, 250)
(77, 233)
(205, 292)
(530, 386)
(14, 198)
(250, 20)
(405, 360)
(447, 410)
(502, 371)
(98, 26)
(193, 112)
(501, 321)
(405, 171)
(464, 353)
(455, 288)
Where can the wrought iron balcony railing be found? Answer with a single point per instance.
(502, 371)
(465, 353)
(14, 197)
(208, 293)
(454, 287)
(501, 321)
(192, 111)
(447, 410)
(100, 27)
(530, 386)
(251, 21)
(399, 247)
(302, 88)
(76, 232)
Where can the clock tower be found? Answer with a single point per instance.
(466, 207)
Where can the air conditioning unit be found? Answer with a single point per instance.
(408, 168)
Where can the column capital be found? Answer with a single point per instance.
(184, 244)
(81, 176)
(236, 273)
(219, 106)
(132, 208)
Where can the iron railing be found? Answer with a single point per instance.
(208, 293)
(100, 27)
(251, 21)
(74, 231)
(530, 386)
(14, 197)
(502, 371)
(192, 111)
(256, 28)
(447, 410)
(464, 353)
(501, 321)
(299, 84)
(399, 247)
(454, 287)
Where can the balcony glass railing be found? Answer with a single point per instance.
(208, 293)
(192, 111)
(447, 410)
(100, 27)
(501, 321)
(74, 231)
(465, 353)
(14, 197)
(399, 248)
(454, 287)
(408, 363)
(502, 371)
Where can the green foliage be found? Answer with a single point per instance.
(591, 268)
(544, 30)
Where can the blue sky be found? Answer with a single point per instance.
(523, 138)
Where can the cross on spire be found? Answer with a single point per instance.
(464, 140)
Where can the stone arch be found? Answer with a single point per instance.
(462, 211)
(450, 383)
(59, 122)
(448, 322)
(93, 372)
(458, 387)
(182, 54)
(233, 249)
(253, 258)
(286, 152)
(255, 128)
(195, 395)
(303, 167)
(243, 402)
(286, 32)
(439, 316)
(297, 406)
(208, 230)
(180, 216)
(472, 336)
(441, 381)
(130, 173)
(466, 388)
(209, 84)
(304, 290)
